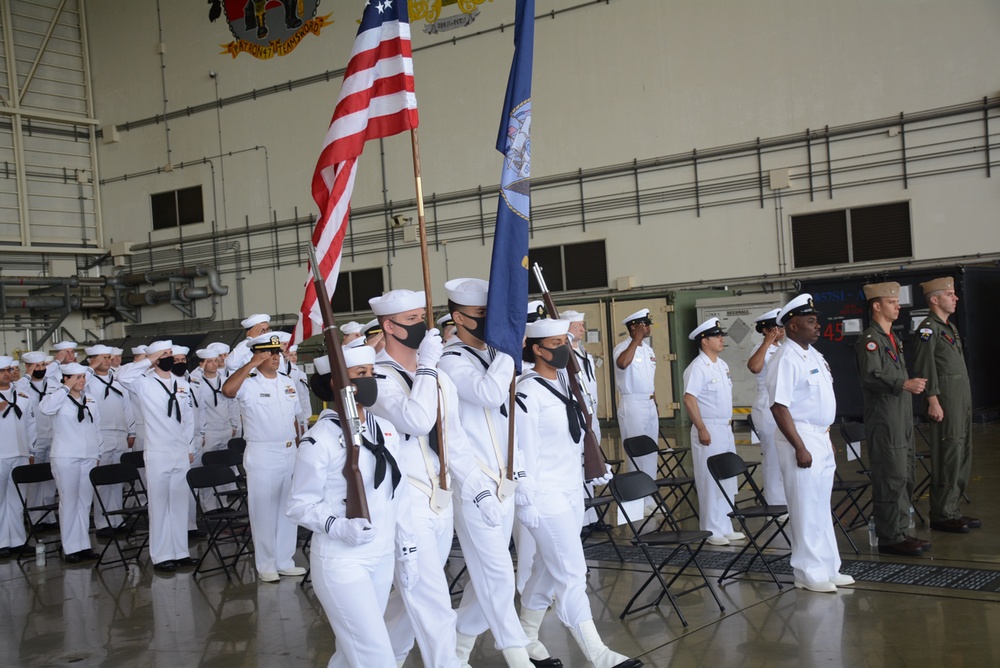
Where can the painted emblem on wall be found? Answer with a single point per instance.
(267, 28)
(430, 11)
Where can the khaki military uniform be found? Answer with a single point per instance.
(888, 430)
(939, 358)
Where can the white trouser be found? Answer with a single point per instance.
(815, 556)
(525, 545)
(559, 570)
(170, 504)
(214, 440)
(589, 515)
(41, 493)
(425, 612)
(269, 480)
(774, 489)
(76, 495)
(115, 443)
(488, 599)
(354, 593)
(713, 509)
(637, 416)
(11, 511)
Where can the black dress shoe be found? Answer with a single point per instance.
(186, 561)
(903, 549)
(197, 534)
(971, 522)
(950, 526)
(551, 662)
(106, 532)
(630, 663)
(73, 558)
(925, 545)
(165, 566)
(4, 553)
(89, 555)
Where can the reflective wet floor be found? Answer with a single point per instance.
(60, 615)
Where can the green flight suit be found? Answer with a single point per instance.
(939, 358)
(888, 431)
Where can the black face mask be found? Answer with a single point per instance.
(38, 374)
(479, 331)
(560, 356)
(414, 333)
(179, 369)
(367, 390)
(165, 363)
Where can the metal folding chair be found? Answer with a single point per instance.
(601, 504)
(678, 487)
(127, 476)
(33, 474)
(226, 526)
(728, 465)
(634, 486)
(237, 496)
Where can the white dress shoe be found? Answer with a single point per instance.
(823, 587)
(736, 535)
(717, 540)
(293, 571)
(268, 577)
(842, 580)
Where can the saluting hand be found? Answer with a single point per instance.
(639, 332)
(259, 358)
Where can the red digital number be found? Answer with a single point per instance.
(834, 332)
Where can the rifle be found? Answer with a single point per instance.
(343, 398)
(593, 460)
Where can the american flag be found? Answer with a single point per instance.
(377, 99)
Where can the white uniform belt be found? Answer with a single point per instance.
(637, 395)
(717, 421)
(811, 428)
(271, 445)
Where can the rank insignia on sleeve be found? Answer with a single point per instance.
(871, 346)
(926, 333)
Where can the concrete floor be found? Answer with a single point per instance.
(59, 615)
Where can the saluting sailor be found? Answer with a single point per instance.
(635, 370)
(353, 560)
(36, 385)
(76, 444)
(351, 330)
(412, 393)
(63, 352)
(800, 389)
(488, 500)
(15, 439)
(170, 425)
(446, 325)
(373, 335)
(138, 354)
(218, 415)
(550, 430)
(763, 421)
(117, 427)
(269, 404)
(255, 325)
(708, 398)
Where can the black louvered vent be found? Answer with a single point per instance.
(820, 239)
(881, 232)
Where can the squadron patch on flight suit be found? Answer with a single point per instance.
(926, 333)
(871, 346)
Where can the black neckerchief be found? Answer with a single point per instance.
(82, 410)
(215, 392)
(12, 404)
(109, 386)
(383, 458)
(172, 401)
(573, 414)
(432, 436)
(585, 362)
(41, 392)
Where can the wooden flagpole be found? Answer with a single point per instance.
(422, 230)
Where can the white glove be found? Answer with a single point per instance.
(528, 515)
(409, 570)
(430, 349)
(604, 479)
(524, 491)
(490, 509)
(356, 531)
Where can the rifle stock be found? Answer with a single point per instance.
(343, 400)
(594, 465)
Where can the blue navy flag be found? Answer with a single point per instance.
(506, 306)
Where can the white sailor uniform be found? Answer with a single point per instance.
(138, 423)
(15, 440)
(483, 380)
(637, 414)
(588, 370)
(170, 429)
(410, 402)
(352, 581)
(800, 380)
(763, 422)
(43, 493)
(115, 405)
(270, 409)
(709, 382)
(218, 419)
(76, 446)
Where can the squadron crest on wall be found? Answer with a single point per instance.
(267, 28)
